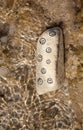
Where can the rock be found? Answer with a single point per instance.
(3, 71)
(4, 29)
(4, 39)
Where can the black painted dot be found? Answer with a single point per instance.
(42, 41)
(43, 70)
(48, 50)
(49, 80)
(40, 81)
(48, 61)
(39, 58)
(52, 33)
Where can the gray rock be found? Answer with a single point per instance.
(4, 39)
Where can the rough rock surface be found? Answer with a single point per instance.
(21, 23)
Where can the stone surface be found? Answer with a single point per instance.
(22, 22)
(50, 75)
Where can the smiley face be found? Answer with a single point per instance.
(49, 80)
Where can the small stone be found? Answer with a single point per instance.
(3, 71)
(4, 39)
(11, 29)
(4, 29)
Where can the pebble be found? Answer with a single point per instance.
(4, 39)
(3, 71)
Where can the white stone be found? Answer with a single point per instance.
(50, 75)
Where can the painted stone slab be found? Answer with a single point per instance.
(50, 61)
